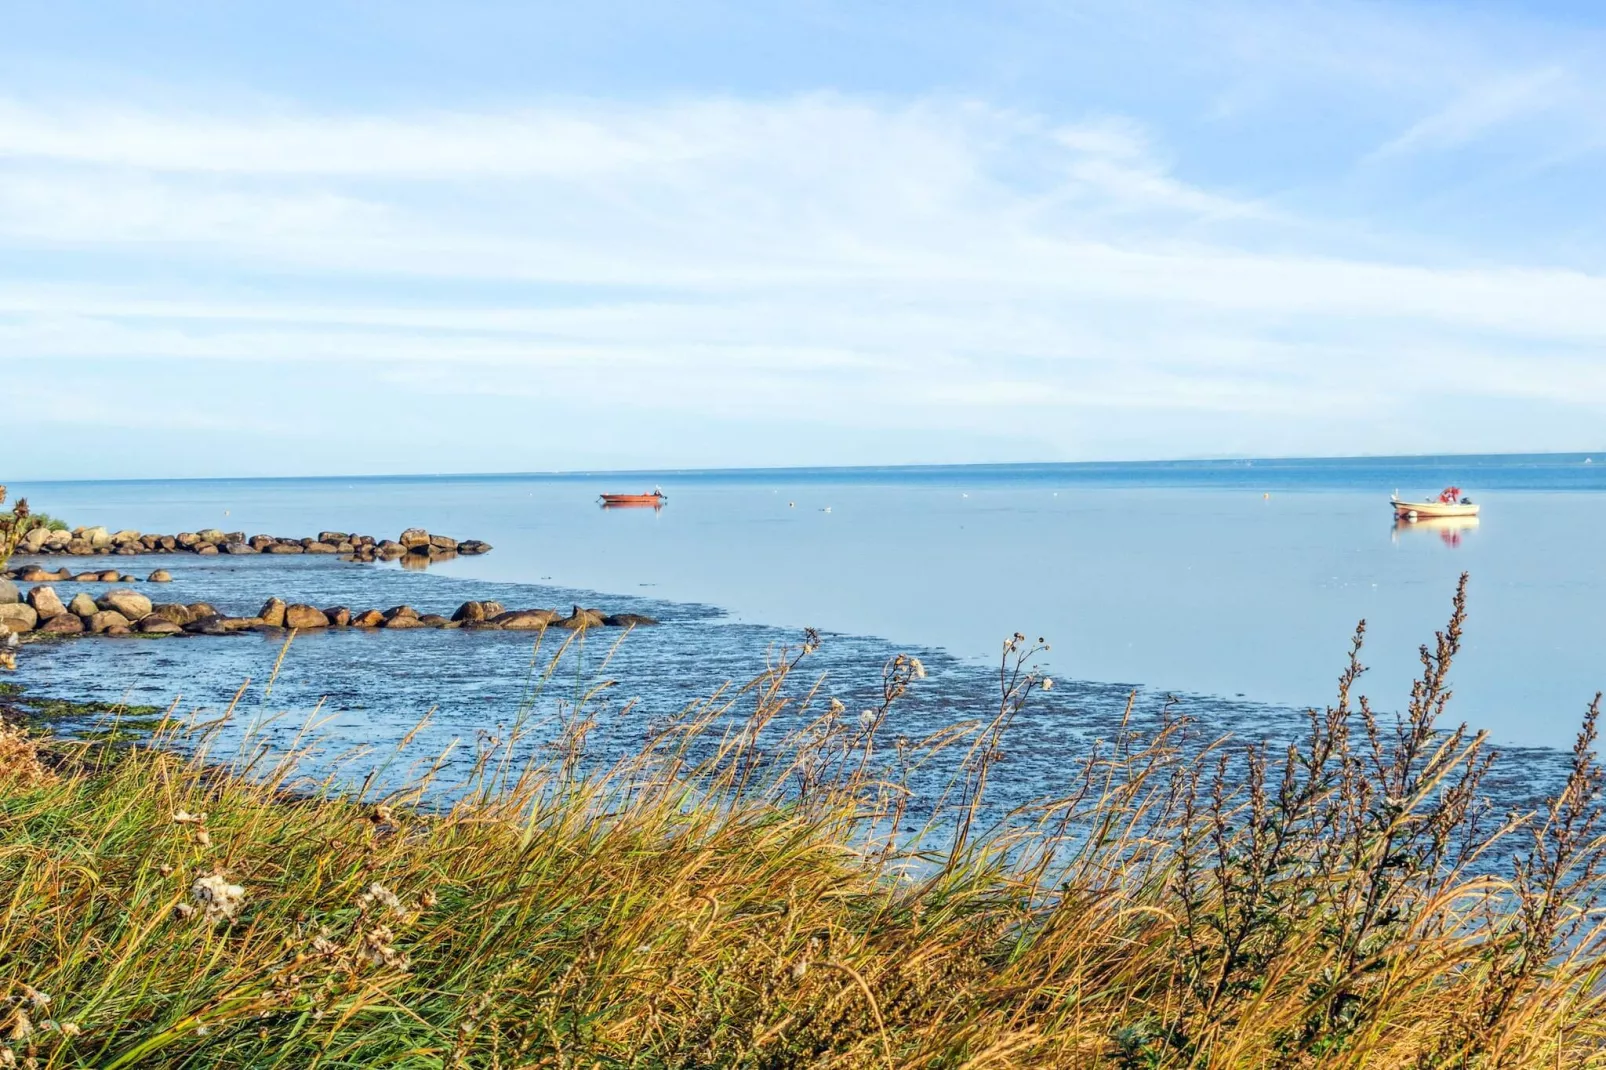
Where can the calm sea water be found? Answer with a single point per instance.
(1236, 584)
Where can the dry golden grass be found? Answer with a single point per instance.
(714, 902)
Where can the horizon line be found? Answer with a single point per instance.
(786, 469)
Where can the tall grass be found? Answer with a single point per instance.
(733, 895)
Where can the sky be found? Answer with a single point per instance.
(378, 237)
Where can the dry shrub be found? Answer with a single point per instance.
(737, 894)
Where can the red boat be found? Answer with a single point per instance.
(655, 499)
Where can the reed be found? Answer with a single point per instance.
(739, 893)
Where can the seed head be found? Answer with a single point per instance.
(220, 899)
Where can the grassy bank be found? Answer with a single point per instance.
(730, 898)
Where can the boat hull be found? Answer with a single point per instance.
(634, 499)
(1432, 510)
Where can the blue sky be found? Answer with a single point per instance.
(296, 238)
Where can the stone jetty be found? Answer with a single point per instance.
(126, 612)
(86, 542)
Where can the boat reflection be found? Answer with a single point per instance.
(1449, 528)
(654, 506)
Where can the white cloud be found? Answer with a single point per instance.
(937, 263)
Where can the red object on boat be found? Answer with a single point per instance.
(1450, 495)
(656, 498)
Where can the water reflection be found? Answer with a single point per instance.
(1449, 528)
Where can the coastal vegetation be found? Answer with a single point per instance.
(765, 884)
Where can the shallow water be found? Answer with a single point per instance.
(1235, 583)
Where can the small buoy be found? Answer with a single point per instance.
(1266, 496)
(827, 509)
(1411, 515)
(791, 505)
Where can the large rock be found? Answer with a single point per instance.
(34, 541)
(400, 611)
(370, 618)
(238, 548)
(272, 612)
(58, 540)
(126, 537)
(579, 618)
(335, 537)
(626, 620)
(473, 546)
(403, 622)
(205, 549)
(339, 616)
(83, 605)
(286, 548)
(525, 620)
(46, 602)
(212, 535)
(176, 612)
(97, 537)
(105, 620)
(470, 611)
(320, 548)
(161, 575)
(111, 575)
(187, 539)
(130, 604)
(435, 620)
(202, 609)
(9, 592)
(155, 625)
(304, 617)
(414, 539)
(35, 574)
(79, 547)
(211, 624)
(17, 617)
(443, 542)
(62, 624)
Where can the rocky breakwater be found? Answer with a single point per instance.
(84, 542)
(123, 612)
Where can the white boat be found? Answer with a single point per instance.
(1450, 503)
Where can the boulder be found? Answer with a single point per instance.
(155, 625)
(304, 617)
(320, 548)
(579, 618)
(339, 616)
(371, 618)
(62, 624)
(129, 579)
(79, 547)
(272, 612)
(212, 535)
(470, 611)
(87, 577)
(34, 541)
(9, 593)
(443, 542)
(46, 602)
(97, 537)
(202, 609)
(168, 542)
(131, 604)
(479, 626)
(126, 537)
(400, 611)
(205, 549)
(211, 624)
(473, 546)
(435, 620)
(402, 622)
(389, 549)
(17, 617)
(332, 536)
(238, 548)
(82, 605)
(187, 539)
(525, 620)
(414, 539)
(161, 575)
(176, 612)
(35, 574)
(99, 623)
(626, 620)
(111, 575)
(493, 608)
(286, 548)
(260, 542)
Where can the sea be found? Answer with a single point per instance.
(1226, 589)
